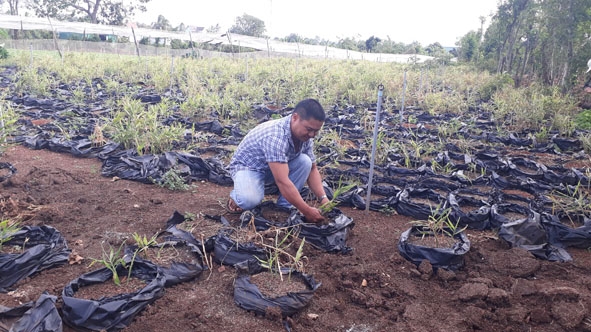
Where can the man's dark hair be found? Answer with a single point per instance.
(310, 108)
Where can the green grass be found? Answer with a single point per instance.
(230, 87)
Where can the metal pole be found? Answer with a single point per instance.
(374, 146)
(246, 73)
(2, 133)
(171, 72)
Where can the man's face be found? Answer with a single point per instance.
(303, 130)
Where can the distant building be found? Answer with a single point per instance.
(194, 29)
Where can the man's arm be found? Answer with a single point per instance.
(290, 192)
(315, 184)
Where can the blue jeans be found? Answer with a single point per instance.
(249, 186)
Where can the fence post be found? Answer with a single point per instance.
(137, 48)
(57, 47)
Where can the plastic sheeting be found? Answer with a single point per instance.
(38, 316)
(178, 271)
(229, 252)
(331, 237)
(451, 258)
(10, 171)
(247, 295)
(528, 233)
(111, 313)
(149, 168)
(45, 248)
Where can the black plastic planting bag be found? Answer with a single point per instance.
(529, 234)
(112, 313)
(353, 197)
(211, 169)
(173, 237)
(45, 248)
(229, 252)
(565, 236)
(522, 183)
(173, 233)
(79, 147)
(523, 167)
(10, 171)
(149, 168)
(439, 182)
(38, 316)
(380, 204)
(469, 211)
(505, 213)
(247, 295)
(491, 162)
(420, 203)
(256, 217)
(567, 144)
(130, 166)
(177, 272)
(331, 237)
(446, 258)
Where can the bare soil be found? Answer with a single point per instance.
(371, 289)
(110, 289)
(273, 285)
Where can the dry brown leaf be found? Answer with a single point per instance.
(74, 258)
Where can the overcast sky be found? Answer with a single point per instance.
(425, 21)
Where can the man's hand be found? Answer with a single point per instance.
(313, 215)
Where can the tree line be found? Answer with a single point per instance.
(546, 41)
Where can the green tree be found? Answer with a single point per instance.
(435, 49)
(390, 46)
(113, 12)
(414, 48)
(348, 44)
(162, 23)
(248, 25)
(371, 43)
(13, 6)
(546, 40)
(468, 46)
(293, 38)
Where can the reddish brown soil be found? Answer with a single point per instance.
(371, 289)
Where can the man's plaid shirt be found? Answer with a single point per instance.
(268, 142)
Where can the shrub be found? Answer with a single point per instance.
(583, 120)
(8, 118)
(138, 126)
(497, 83)
(534, 107)
(444, 102)
(3, 53)
(173, 180)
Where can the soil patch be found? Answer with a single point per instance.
(109, 288)
(272, 285)
(370, 289)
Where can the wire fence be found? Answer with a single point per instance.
(266, 47)
(66, 46)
